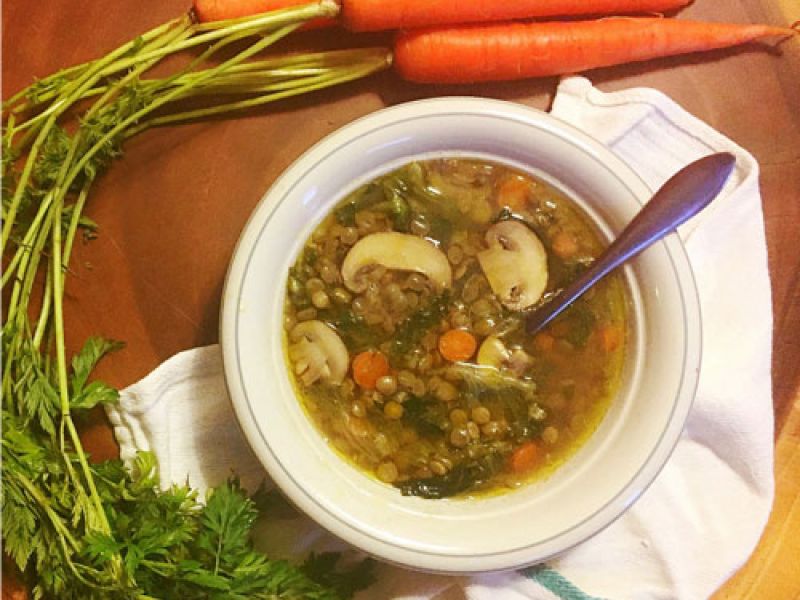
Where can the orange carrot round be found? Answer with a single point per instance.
(519, 50)
(513, 193)
(543, 341)
(375, 15)
(525, 457)
(457, 345)
(565, 245)
(611, 337)
(368, 367)
(221, 10)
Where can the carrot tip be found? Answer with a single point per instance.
(785, 34)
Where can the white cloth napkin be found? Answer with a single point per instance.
(705, 512)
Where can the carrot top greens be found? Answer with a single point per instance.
(82, 530)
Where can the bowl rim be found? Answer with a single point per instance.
(604, 515)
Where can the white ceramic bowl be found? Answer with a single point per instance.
(460, 535)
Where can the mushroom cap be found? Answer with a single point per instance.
(318, 353)
(401, 251)
(515, 264)
(493, 352)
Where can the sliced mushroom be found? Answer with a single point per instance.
(396, 251)
(493, 352)
(518, 361)
(318, 353)
(515, 264)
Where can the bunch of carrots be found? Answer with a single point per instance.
(465, 41)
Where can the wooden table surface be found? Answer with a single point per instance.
(171, 210)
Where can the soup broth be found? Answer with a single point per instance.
(405, 338)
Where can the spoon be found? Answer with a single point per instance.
(686, 193)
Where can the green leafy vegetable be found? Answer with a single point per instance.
(387, 196)
(361, 199)
(353, 329)
(462, 477)
(582, 321)
(425, 414)
(400, 213)
(515, 398)
(84, 363)
(480, 381)
(413, 329)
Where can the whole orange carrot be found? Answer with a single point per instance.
(519, 50)
(221, 10)
(375, 15)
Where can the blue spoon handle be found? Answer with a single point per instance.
(686, 193)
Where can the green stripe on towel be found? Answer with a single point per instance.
(555, 582)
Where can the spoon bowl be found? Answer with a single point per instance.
(684, 195)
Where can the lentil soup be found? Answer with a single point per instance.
(404, 322)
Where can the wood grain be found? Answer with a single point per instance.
(172, 208)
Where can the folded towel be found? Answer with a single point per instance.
(705, 512)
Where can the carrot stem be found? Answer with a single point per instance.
(290, 90)
(216, 13)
